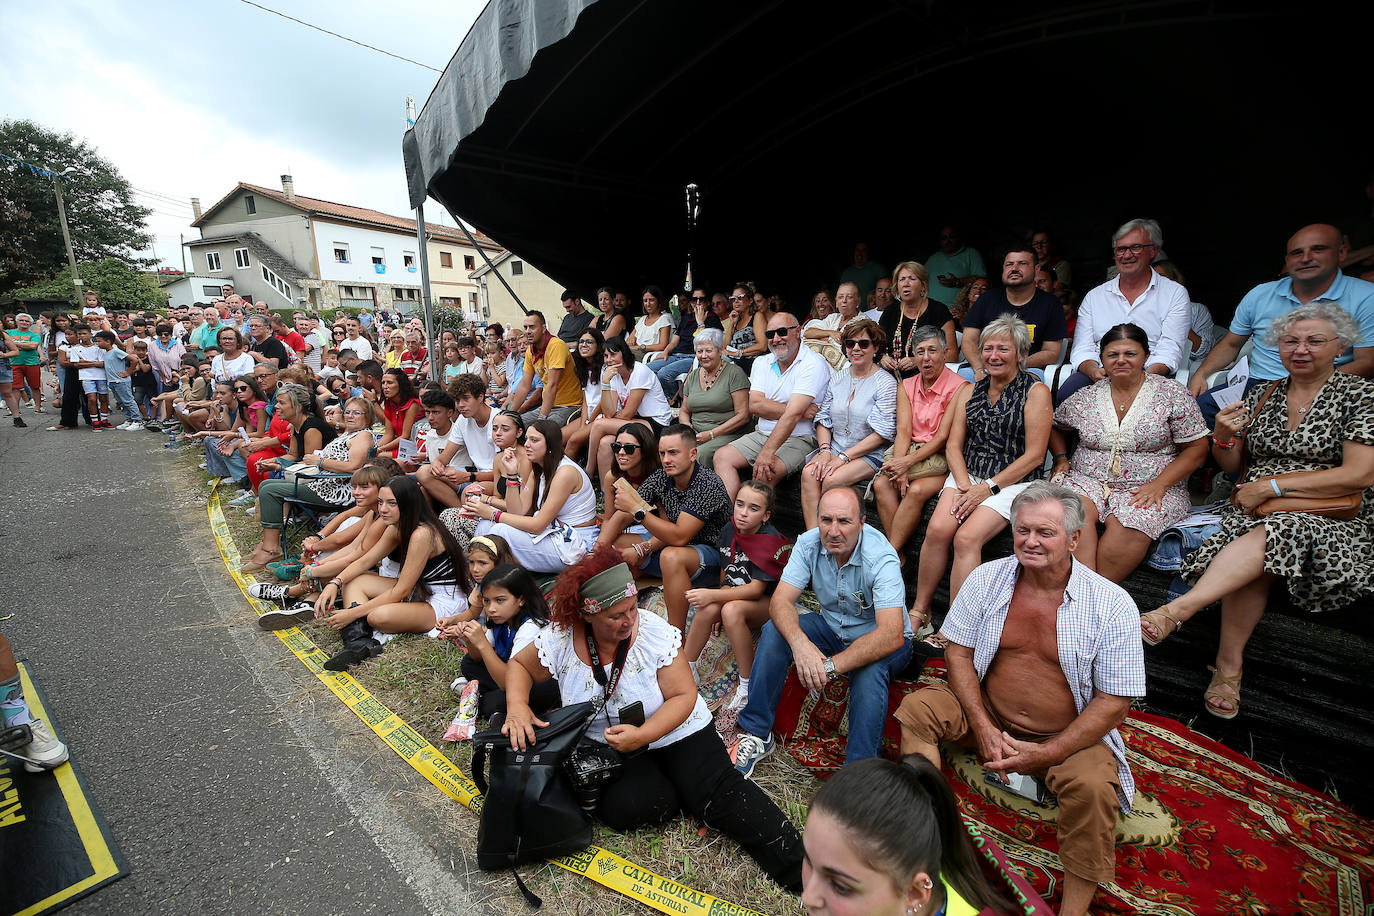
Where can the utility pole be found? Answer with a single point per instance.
(66, 233)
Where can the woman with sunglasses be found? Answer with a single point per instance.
(222, 459)
(745, 328)
(630, 393)
(682, 345)
(857, 420)
(588, 364)
(635, 453)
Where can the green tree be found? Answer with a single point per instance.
(119, 286)
(105, 221)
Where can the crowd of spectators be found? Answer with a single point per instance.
(652, 444)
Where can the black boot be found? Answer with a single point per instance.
(358, 645)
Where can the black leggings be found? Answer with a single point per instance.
(696, 775)
(492, 698)
(73, 398)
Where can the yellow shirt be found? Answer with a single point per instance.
(556, 355)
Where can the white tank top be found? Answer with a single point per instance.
(580, 507)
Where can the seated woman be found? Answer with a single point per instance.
(347, 536)
(914, 308)
(885, 839)
(1315, 429)
(222, 460)
(973, 290)
(715, 397)
(549, 519)
(684, 764)
(857, 420)
(915, 466)
(682, 345)
(825, 334)
(342, 455)
(401, 405)
(636, 457)
(420, 578)
(745, 328)
(651, 333)
(752, 556)
(996, 447)
(190, 389)
(507, 434)
(513, 613)
(588, 366)
(1140, 436)
(612, 322)
(630, 392)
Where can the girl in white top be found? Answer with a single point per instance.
(630, 393)
(684, 765)
(549, 512)
(233, 361)
(652, 332)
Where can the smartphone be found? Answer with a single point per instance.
(632, 714)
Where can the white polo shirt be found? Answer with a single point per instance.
(808, 374)
(1163, 312)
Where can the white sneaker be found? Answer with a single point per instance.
(44, 748)
(201, 465)
(245, 499)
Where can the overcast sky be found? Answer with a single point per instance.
(187, 99)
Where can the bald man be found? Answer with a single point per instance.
(1312, 262)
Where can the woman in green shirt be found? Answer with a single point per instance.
(715, 397)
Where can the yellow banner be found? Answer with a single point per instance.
(603, 867)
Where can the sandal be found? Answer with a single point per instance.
(1162, 621)
(926, 630)
(1227, 690)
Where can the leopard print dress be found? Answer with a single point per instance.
(1324, 561)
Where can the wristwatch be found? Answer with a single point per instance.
(993, 488)
(639, 515)
(829, 666)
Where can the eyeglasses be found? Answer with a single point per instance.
(1137, 248)
(242, 388)
(780, 332)
(354, 413)
(699, 299)
(627, 448)
(738, 298)
(863, 343)
(586, 340)
(1312, 343)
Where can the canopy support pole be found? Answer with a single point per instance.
(483, 253)
(425, 298)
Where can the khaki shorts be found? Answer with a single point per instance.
(793, 452)
(934, 466)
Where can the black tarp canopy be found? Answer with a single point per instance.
(567, 131)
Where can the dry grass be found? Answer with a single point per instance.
(412, 677)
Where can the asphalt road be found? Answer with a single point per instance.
(232, 780)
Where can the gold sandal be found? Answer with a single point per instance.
(1227, 690)
(1162, 621)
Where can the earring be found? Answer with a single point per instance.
(927, 885)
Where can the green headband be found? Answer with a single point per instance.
(605, 590)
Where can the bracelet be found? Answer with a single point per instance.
(337, 582)
(1062, 455)
(825, 448)
(1274, 483)
(495, 516)
(844, 456)
(1224, 446)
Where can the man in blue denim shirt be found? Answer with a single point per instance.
(862, 630)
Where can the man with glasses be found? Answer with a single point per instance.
(577, 319)
(1136, 295)
(549, 359)
(207, 335)
(951, 266)
(1312, 262)
(786, 388)
(195, 319)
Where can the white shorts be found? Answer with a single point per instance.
(999, 502)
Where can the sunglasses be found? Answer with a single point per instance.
(863, 343)
(779, 332)
(242, 388)
(627, 448)
(699, 299)
(738, 298)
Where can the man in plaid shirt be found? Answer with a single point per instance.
(1044, 658)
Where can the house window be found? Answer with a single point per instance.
(341, 252)
(445, 259)
(379, 260)
(211, 292)
(348, 292)
(408, 259)
(250, 204)
(472, 301)
(241, 258)
(469, 263)
(212, 262)
(517, 268)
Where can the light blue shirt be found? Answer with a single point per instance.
(966, 262)
(1268, 301)
(116, 361)
(850, 595)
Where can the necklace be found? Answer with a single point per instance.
(849, 404)
(707, 382)
(902, 350)
(1129, 399)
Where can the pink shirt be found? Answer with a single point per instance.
(928, 406)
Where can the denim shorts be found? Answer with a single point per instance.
(707, 558)
(95, 386)
(6, 373)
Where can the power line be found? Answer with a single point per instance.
(170, 198)
(337, 35)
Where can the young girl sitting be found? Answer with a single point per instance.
(513, 611)
(418, 581)
(752, 556)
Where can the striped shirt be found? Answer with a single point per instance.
(1098, 633)
(854, 408)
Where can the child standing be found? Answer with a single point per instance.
(117, 379)
(144, 380)
(89, 361)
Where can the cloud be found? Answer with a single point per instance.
(189, 99)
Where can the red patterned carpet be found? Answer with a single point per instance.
(1211, 833)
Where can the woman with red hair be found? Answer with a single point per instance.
(600, 646)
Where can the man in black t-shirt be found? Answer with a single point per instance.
(577, 319)
(683, 507)
(1041, 311)
(264, 346)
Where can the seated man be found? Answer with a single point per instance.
(1019, 297)
(461, 453)
(1011, 696)
(682, 508)
(786, 388)
(1137, 295)
(862, 629)
(548, 359)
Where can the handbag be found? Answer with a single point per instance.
(1345, 506)
(300, 472)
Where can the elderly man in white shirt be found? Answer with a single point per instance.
(1136, 295)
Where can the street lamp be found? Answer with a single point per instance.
(66, 233)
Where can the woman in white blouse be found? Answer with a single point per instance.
(857, 420)
(630, 393)
(652, 332)
(678, 762)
